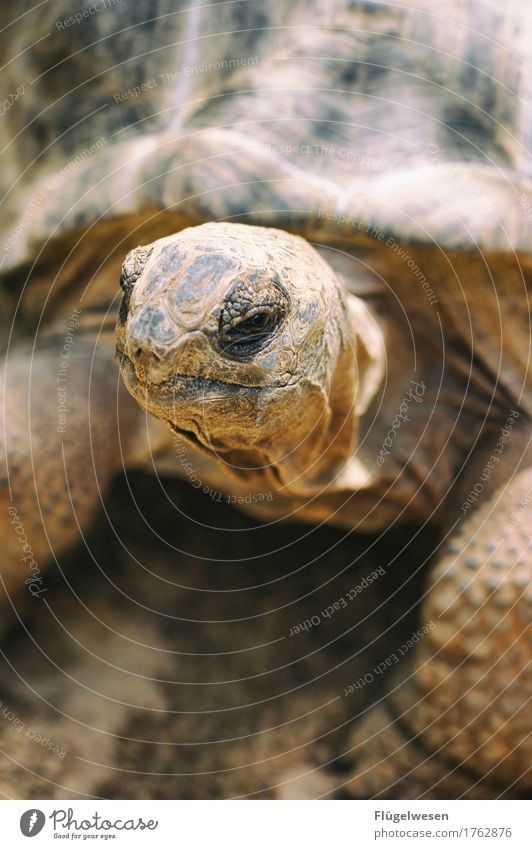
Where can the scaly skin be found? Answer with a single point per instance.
(459, 724)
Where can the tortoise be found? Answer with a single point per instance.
(323, 240)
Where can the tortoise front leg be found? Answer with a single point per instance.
(459, 723)
(62, 407)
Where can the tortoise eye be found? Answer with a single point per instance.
(133, 267)
(256, 323)
(251, 325)
(126, 282)
(250, 331)
(249, 318)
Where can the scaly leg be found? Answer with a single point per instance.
(60, 448)
(458, 722)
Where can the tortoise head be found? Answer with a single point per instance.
(243, 341)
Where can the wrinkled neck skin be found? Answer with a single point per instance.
(348, 374)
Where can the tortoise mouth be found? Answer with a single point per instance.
(189, 436)
(178, 383)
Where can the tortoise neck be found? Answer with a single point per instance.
(357, 377)
(325, 459)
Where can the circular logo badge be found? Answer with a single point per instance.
(32, 822)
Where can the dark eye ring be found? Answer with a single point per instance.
(249, 332)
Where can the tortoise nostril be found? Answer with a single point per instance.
(146, 355)
(151, 337)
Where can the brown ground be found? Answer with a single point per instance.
(210, 597)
